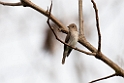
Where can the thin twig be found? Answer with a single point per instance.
(11, 4)
(42, 11)
(81, 28)
(104, 78)
(88, 53)
(97, 25)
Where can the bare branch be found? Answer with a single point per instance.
(81, 28)
(88, 53)
(97, 25)
(104, 78)
(11, 4)
(28, 3)
(82, 40)
(55, 20)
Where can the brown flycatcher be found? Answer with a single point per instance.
(71, 39)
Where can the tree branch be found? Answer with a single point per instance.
(81, 28)
(28, 3)
(97, 25)
(11, 4)
(88, 53)
(37, 8)
(104, 78)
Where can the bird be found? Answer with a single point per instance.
(71, 39)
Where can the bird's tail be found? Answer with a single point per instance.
(63, 60)
(64, 56)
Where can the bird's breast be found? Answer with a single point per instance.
(73, 38)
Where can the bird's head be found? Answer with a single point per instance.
(72, 27)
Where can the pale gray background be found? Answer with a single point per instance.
(22, 35)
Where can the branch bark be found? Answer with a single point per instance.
(11, 4)
(97, 25)
(81, 28)
(104, 78)
(48, 22)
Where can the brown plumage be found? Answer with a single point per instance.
(71, 39)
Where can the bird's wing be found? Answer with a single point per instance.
(67, 39)
(69, 51)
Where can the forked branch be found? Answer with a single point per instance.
(48, 22)
(28, 3)
(11, 4)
